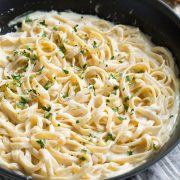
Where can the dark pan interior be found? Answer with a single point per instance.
(152, 16)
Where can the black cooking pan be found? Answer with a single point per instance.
(152, 16)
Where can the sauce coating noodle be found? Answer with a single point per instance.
(81, 98)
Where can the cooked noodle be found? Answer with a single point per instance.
(81, 98)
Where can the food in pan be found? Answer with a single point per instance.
(82, 98)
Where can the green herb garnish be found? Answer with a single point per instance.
(112, 57)
(22, 103)
(126, 98)
(154, 147)
(34, 58)
(16, 77)
(27, 19)
(47, 116)
(82, 52)
(82, 158)
(47, 85)
(65, 71)
(93, 88)
(116, 87)
(15, 52)
(171, 116)
(85, 66)
(75, 27)
(40, 70)
(77, 122)
(28, 48)
(62, 49)
(121, 118)
(25, 53)
(126, 107)
(130, 153)
(112, 76)
(64, 96)
(127, 78)
(109, 137)
(46, 108)
(41, 142)
(94, 44)
(55, 28)
(44, 35)
(43, 23)
(115, 109)
(84, 150)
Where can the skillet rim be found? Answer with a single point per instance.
(167, 11)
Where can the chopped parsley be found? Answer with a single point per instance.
(94, 44)
(75, 27)
(58, 124)
(126, 98)
(116, 87)
(44, 35)
(171, 116)
(84, 150)
(112, 76)
(77, 122)
(112, 57)
(46, 108)
(55, 28)
(15, 52)
(41, 142)
(62, 49)
(7, 85)
(93, 88)
(85, 66)
(82, 158)
(47, 116)
(109, 137)
(65, 71)
(126, 107)
(40, 70)
(34, 58)
(64, 96)
(28, 48)
(121, 118)
(82, 52)
(47, 85)
(33, 90)
(27, 19)
(127, 78)
(115, 109)
(22, 103)
(25, 53)
(16, 77)
(154, 147)
(130, 153)
(43, 23)
(132, 111)
(107, 100)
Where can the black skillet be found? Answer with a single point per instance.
(152, 16)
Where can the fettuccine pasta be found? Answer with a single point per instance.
(82, 98)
